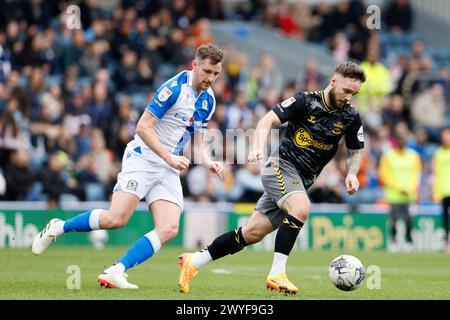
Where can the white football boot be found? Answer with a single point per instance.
(115, 280)
(44, 238)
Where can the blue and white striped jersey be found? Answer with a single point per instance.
(181, 111)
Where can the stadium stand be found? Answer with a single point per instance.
(69, 100)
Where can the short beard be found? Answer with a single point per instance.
(332, 98)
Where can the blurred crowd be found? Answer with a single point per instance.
(70, 99)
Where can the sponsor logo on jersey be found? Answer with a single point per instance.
(312, 119)
(304, 139)
(286, 103)
(184, 118)
(337, 128)
(164, 94)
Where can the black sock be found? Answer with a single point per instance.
(408, 229)
(393, 229)
(228, 243)
(287, 234)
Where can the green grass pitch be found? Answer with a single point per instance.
(241, 276)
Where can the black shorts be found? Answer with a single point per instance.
(280, 180)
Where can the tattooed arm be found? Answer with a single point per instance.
(353, 164)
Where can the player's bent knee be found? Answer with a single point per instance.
(301, 213)
(168, 232)
(112, 221)
(253, 235)
(116, 223)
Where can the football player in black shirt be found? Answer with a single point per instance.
(316, 123)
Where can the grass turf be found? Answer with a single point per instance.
(242, 276)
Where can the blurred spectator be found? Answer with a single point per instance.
(340, 47)
(127, 73)
(18, 176)
(122, 127)
(202, 32)
(5, 64)
(100, 108)
(377, 83)
(247, 185)
(285, 20)
(270, 74)
(304, 19)
(200, 184)
(9, 131)
(399, 16)
(395, 111)
(211, 9)
(309, 78)
(239, 116)
(429, 110)
(55, 180)
(323, 15)
(73, 53)
(99, 160)
(400, 171)
(441, 187)
(327, 187)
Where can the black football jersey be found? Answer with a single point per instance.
(314, 130)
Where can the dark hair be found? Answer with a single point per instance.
(351, 70)
(211, 51)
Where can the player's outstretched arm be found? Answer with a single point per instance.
(265, 124)
(145, 131)
(353, 164)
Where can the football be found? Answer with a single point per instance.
(346, 272)
(99, 238)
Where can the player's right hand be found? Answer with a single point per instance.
(178, 162)
(254, 156)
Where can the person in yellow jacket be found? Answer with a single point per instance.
(400, 170)
(441, 187)
(377, 85)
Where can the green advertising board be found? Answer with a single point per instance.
(356, 231)
(324, 230)
(18, 228)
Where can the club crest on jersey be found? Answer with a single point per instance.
(205, 105)
(286, 103)
(164, 94)
(132, 185)
(337, 128)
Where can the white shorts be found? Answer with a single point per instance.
(152, 180)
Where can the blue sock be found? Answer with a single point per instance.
(138, 253)
(78, 223)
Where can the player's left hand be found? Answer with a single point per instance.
(351, 184)
(216, 167)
